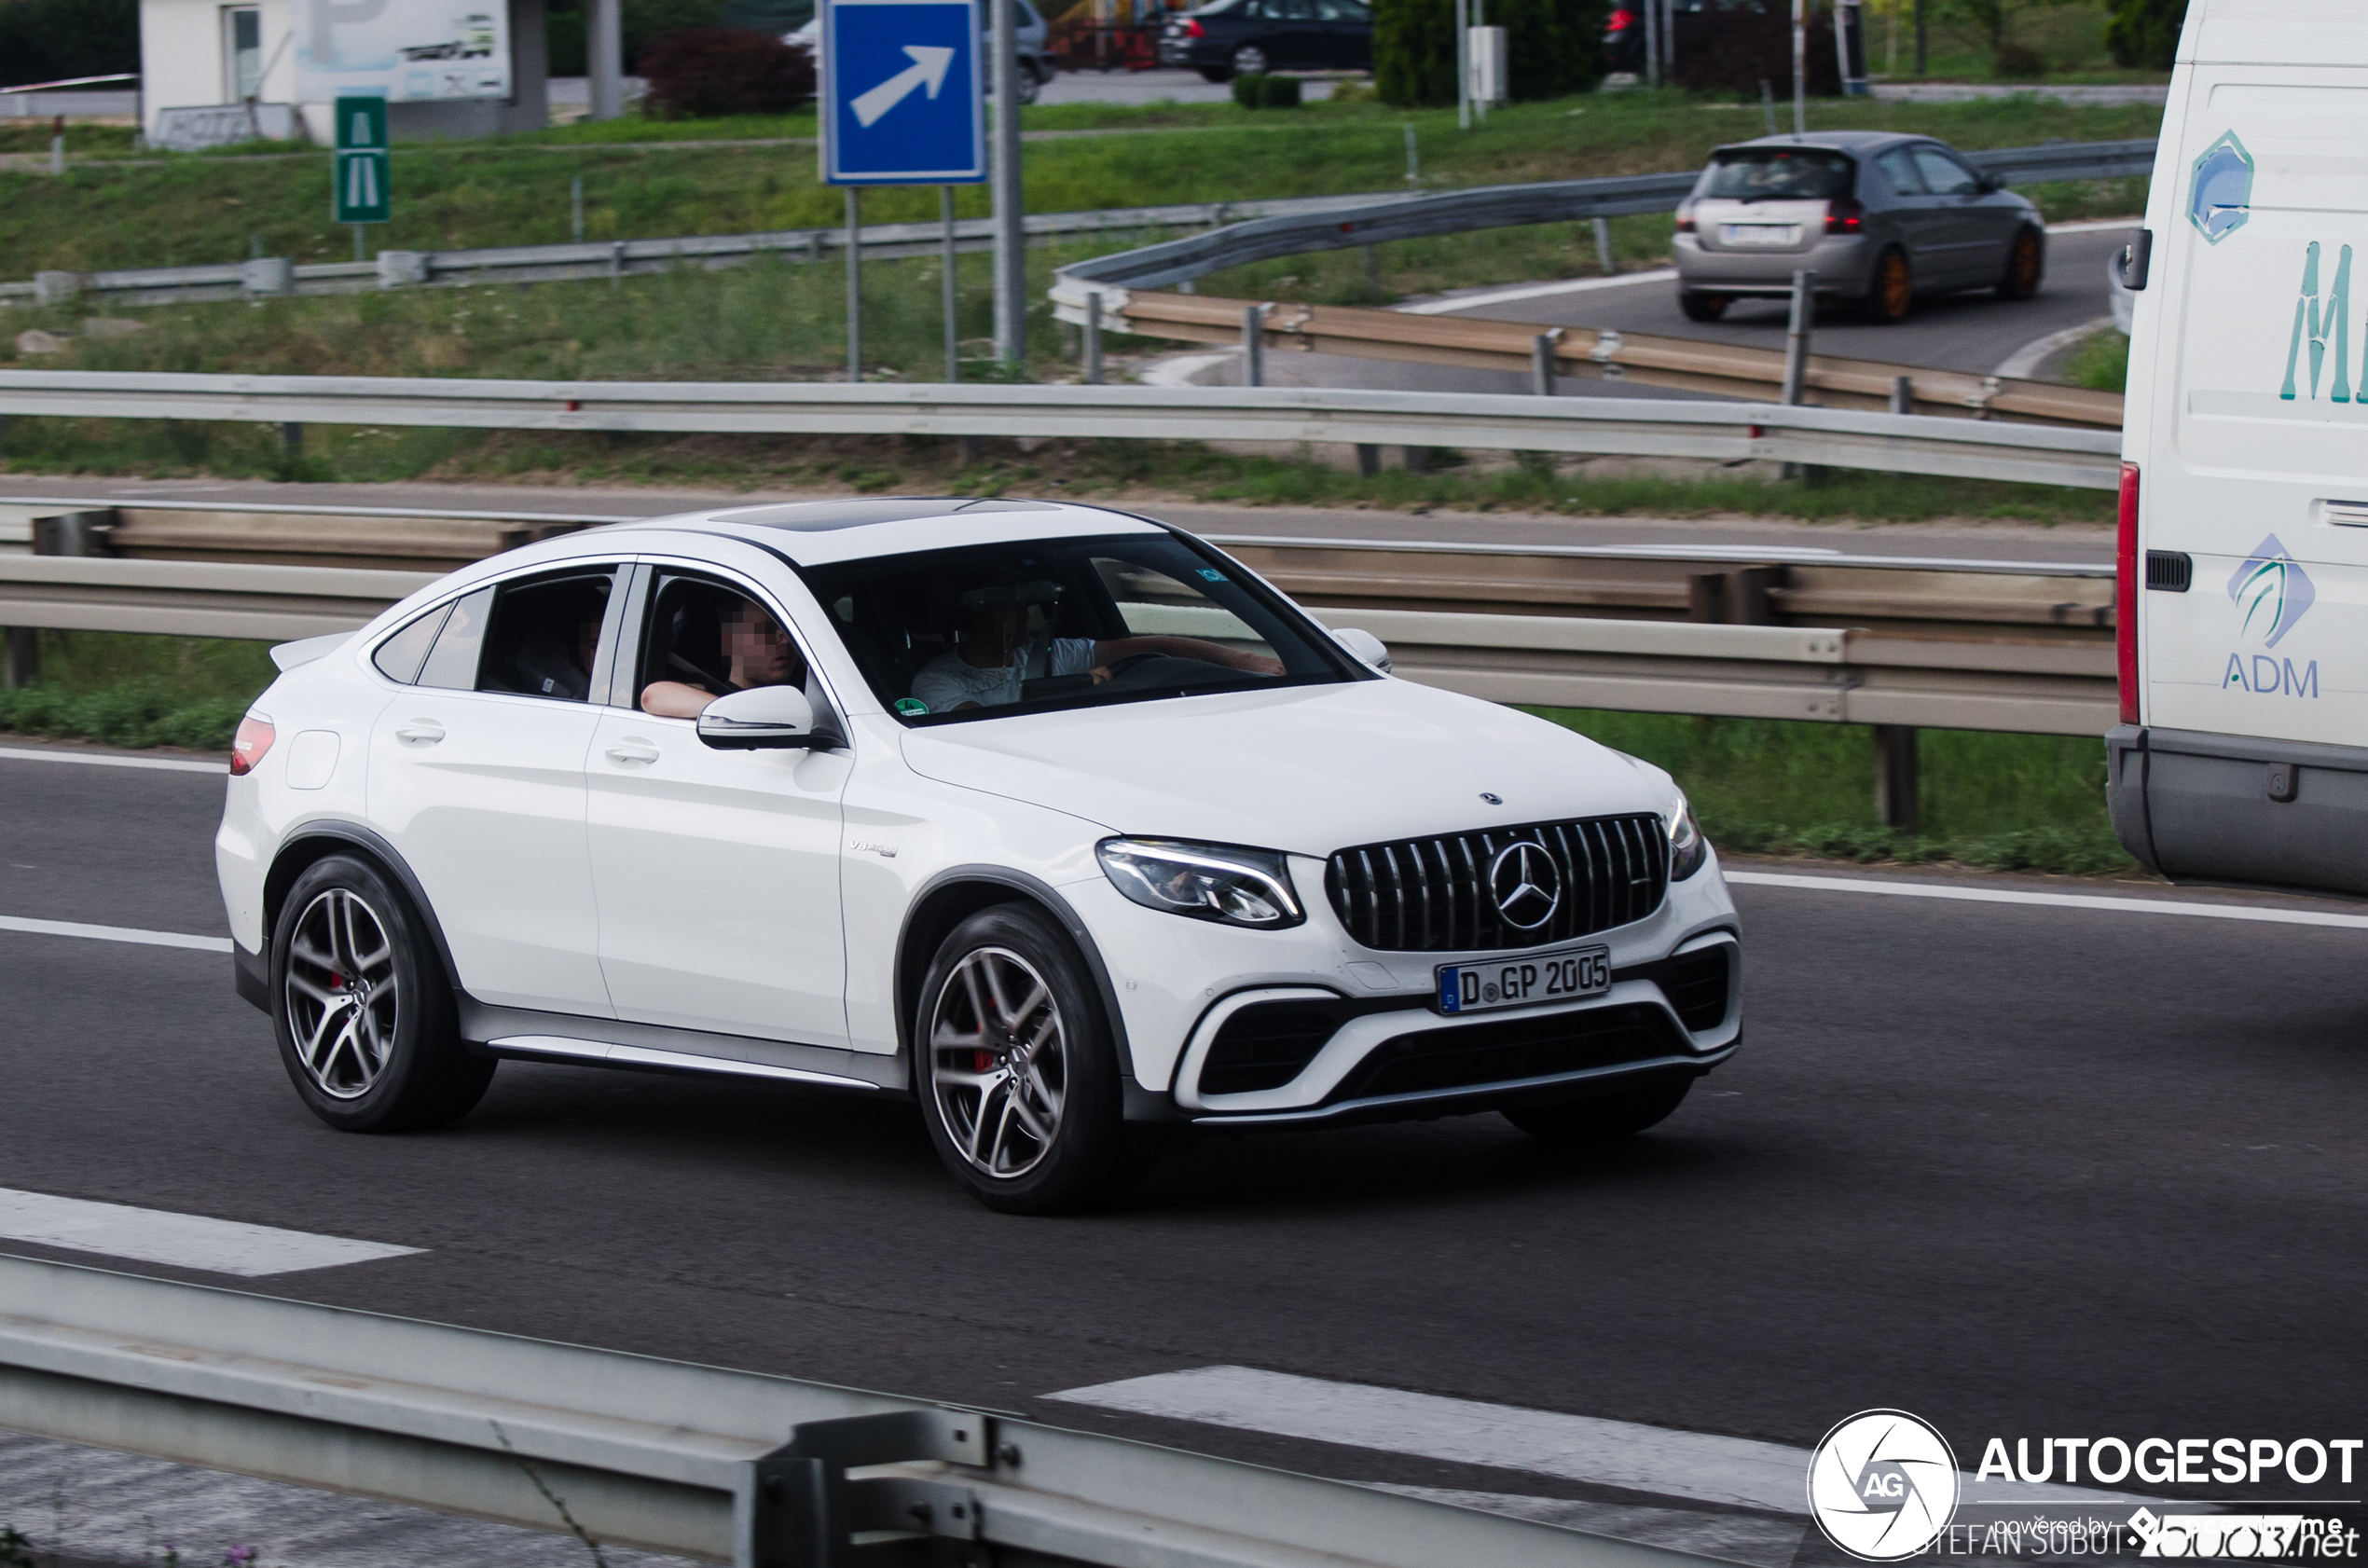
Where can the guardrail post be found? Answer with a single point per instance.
(1093, 337)
(1369, 460)
(292, 441)
(1541, 361)
(1902, 395)
(23, 658)
(616, 264)
(1603, 247)
(1896, 775)
(1253, 345)
(1372, 267)
(1796, 334)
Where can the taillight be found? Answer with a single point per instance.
(2126, 595)
(1844, 215)
(1620, 18)
(253, 740)
(1686, 217)
(1191, 28)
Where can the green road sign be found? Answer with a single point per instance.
(364, 192)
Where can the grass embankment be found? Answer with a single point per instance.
(2004, 802)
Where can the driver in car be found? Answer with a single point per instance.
(993, 654)
(761, 655)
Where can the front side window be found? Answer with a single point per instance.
(1944, 175)
(946, 635)
(1777, 174)
(705, 641)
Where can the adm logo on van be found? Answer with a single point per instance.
(2271, 592)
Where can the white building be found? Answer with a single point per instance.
(202, 53)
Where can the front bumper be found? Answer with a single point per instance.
(1842, 263)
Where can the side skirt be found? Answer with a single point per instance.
(527, 1034)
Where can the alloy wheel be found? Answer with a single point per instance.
(2024, 272)
(342, 996)
(998, 1065)
(1897, 286)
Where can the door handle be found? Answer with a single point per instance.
(632, 751)
(419, 732)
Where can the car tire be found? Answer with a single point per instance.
(1701, 307)
(362, 1009)
(2026, 266)
(1015, 1068)
(1603, 1118)
(1216, 75)
(1250, 60)
(1891, 293)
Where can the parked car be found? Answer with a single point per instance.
(1056, 819)
(1248, 37)
(1036, 64)
(1881, 218)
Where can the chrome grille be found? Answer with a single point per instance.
(1432, 895)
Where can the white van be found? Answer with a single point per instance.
(2242, 752)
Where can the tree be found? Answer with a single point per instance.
(2145, 33)
(1553, 47)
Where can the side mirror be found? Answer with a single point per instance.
(1365, 645)
(762, 717)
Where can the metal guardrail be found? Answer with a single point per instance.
(1728, 432)
(1589, 354)
(726, 1465)
(2052, 673)
(612, 258)
(1460, 211)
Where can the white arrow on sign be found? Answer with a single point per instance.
(928, 70)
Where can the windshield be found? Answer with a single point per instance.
(946, 635)
(1777, 174)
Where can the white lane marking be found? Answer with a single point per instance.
(101, 759)
(181, 1241)
(1737, 1472)
(1533, 291)
(114, 934)
(2023, 361)
(2057, 900)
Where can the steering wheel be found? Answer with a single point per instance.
(1133, 661)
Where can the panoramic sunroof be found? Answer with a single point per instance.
(824, 517)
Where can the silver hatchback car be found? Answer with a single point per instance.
(1879, 217)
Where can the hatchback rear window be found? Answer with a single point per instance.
(1778, 175)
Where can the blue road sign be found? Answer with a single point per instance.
(901, 103)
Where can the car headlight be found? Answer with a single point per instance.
(1687, 847)
(1203, 881)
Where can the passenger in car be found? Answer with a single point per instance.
(993, 653)
(761, 655)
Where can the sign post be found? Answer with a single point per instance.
(901, 105)
(362, 189)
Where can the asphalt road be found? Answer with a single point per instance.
(2024, 1171)
(1974, 332)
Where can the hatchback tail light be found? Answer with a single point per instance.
(1686, 217)
(253, 740)
(2125, 596)
(1844, 215)
(1192, 29)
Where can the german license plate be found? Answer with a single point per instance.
(1760, 234)
(1536, 977)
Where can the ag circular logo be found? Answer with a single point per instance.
(1527, 885)
(1883, 1485)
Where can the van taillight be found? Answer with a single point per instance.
(1844, 215)
(2126, 595)
(253, 740)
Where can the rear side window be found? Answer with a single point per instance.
(544, 635)
(1944, 175)
(453, 664)
(400, 656)
(1778, 175)
(1900, 170)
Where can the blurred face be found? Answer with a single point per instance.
(991, 632)
(760, 652)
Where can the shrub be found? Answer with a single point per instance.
(1261, 92)
(1553, 47)
(2145, 33)
(2017, 62)
(704, 72)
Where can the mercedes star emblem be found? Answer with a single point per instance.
(1526, 884)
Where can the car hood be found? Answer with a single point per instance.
(1306, 769)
